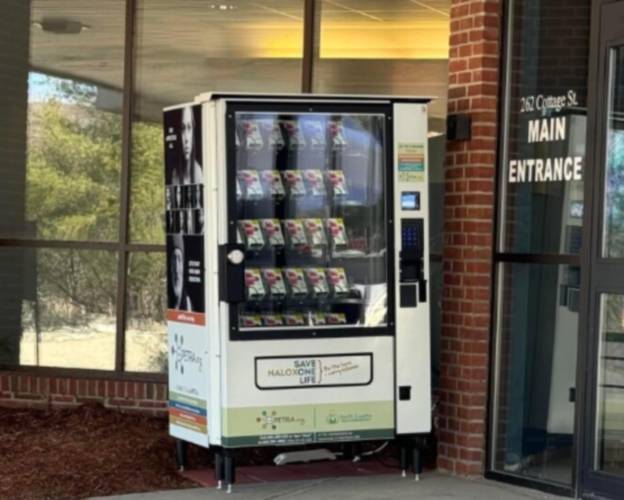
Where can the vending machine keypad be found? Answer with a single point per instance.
(411, 263)
(412, 233)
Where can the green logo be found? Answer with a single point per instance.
(271, 420)
(266, 420)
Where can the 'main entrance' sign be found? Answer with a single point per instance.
(553, 132)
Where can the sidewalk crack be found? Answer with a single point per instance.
(299, 490)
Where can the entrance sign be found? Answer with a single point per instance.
(553, 132)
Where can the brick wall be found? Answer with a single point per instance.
(32, 391)
(469, 224)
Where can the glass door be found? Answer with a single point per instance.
(308, 201)
(603, 458)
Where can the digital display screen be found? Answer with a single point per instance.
(410, 200)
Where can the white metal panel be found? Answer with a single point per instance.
(188, 353)
(240, 371)
(413, 351)
(211, 153)
(178, 106)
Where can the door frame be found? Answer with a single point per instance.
(596, 270)
(301, 106)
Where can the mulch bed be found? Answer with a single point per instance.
(93, 451)
(86, 451)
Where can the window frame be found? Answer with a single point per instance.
(123, 246)
(500, 257)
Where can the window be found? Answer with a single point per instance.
(250, 47)
(395, 47)
(538, 250)
(72, 120)
(404, 44)
(82, 238)
(67, 307)
(537, 323)
(61, 164)
(146, 303)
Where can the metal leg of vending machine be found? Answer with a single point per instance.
(218, 466)
(229, 469)
(416, 463)
(403, 458)
(355, 451)
(410, 455)
(181, 454)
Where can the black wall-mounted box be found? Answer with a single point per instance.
(458, 127)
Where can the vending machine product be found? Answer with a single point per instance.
(297, 257)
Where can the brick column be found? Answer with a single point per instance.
(468, 236)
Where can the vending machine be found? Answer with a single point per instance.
(298, 265)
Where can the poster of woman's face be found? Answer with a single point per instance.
(177, 273)
(170, 222)
(187, 129)
(183, 146)
(198, 221)
(182, 221)
(183, 292)
(177, 196)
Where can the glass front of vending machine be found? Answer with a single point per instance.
(308, 202)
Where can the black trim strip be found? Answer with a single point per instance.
(81, 245)
(264, 98)
(252, 106)
(124, 194)
(310, 41)
(78, 245)
(536, 484)
(538, 258)
(306, 332)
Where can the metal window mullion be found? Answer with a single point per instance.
(311, 35)
(122, 264)
(145, 248)
(62, 244)
(538, 258)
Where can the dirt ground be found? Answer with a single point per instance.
(83, 452)
(92, 451)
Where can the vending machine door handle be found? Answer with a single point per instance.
(232, 273)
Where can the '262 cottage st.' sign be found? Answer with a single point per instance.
(552, 131)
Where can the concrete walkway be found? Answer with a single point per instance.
(433, 485)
